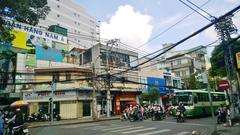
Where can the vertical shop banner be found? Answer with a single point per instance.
(50, 54)
(238, 59)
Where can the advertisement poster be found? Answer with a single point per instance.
(20, 40)
(50, 54)
(33, 40)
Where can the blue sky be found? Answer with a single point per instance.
(137, 21)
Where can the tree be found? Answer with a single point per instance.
(26, 11)
(151, 96)
(217, 59)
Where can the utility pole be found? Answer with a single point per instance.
(108, 78)
(53, 88)
(225, 28)
(94, 96)
(205, 80)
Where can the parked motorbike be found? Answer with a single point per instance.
(180, 116)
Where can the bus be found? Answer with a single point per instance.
(197, 102)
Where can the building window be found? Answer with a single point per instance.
(75, 31)
(68, 77)
(177, 74)
(79, 24)
(179, 62)
(58, 15)
(58, 0)
(58, 6)
(78, 41)
(184, 73)
(75, 14)
(78, 15)
(79, 32)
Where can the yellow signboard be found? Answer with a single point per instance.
(238, 59)
(20, 40)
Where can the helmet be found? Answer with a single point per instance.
(18, 110)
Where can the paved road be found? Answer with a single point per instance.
(116, 127)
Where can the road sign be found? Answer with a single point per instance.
(223, 85)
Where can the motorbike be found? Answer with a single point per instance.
(124, 117)
(158, 115)
(19, 130)
(55, 116)
(135, 115)
(180, 116)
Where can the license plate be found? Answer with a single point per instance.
(25, 130)
(177, 113)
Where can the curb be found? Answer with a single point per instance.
(69, 123)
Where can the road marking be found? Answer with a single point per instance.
(80, 125)
(139, 130)
(188, 124)
(120, 130)
(182, 133)
(95, 128)
(156, 132)
(113, 128)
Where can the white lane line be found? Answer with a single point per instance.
(139, 130)
(188, 124)
(156, 132)
(183, 133)
(79, 125)
(95, 128)
(113, 128)
(120, 130)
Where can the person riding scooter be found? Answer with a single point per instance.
(16, 121)
(221, 114)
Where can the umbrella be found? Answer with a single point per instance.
(19, 103)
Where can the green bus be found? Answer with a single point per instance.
(197, 102)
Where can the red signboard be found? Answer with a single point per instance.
(223, 85)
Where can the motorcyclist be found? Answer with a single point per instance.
(17, 120)
(126, 112)
(222, 113)
(181, 108)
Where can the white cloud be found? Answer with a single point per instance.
(128, 25)
(232, 1)
(210, 33)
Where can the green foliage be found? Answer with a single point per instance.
(192, 83)
(217, 59)
(26, 11)
(151, 96)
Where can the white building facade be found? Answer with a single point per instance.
(70, 15)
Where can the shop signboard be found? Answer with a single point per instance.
(156, 83)
(50, 54)
(238, 59)
(46, 95)
(35, 31)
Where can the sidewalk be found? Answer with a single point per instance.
(69, 122)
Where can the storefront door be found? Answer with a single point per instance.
(86, 108)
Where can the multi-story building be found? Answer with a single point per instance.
(186, 62)
(68, 14)
(118, 60)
